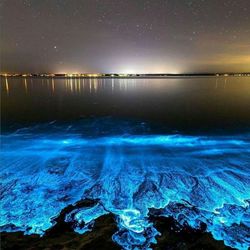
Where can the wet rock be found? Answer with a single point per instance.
(176, 237)
(62, 236)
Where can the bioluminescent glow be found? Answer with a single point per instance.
(195, 179)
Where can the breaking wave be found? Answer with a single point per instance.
(132, 173)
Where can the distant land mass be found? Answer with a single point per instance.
(119, 75)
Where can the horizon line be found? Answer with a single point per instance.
(49, 74)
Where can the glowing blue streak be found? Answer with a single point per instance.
(42, 173)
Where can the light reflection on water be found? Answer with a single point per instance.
(181, 103)
(93, 85)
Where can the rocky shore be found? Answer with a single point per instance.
(62, 236)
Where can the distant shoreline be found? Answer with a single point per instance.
(123, 76)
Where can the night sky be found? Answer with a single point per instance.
(125, 36)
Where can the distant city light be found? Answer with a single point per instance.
(117, 75)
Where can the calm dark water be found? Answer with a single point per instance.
(187, 104)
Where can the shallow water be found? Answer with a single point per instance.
(133, 168)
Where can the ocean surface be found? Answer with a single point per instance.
(139, 148)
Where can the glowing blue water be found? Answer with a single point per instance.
(192, 178)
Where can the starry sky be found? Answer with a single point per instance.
(125, 36)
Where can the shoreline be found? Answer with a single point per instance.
(61, 235)
(117, 76)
